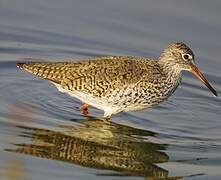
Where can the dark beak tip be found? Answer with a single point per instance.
(215, 93)
(196, 72)
(212, 90)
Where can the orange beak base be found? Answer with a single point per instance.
(196, 72)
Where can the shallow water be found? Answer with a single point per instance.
(44, 136)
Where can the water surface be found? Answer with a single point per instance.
(44, 136)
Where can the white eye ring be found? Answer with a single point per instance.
(186, 56)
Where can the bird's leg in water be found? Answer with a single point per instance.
(84, 109)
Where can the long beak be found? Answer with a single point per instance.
(196, 72)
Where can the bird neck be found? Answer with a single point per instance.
(171, 69)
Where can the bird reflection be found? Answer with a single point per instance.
(98, 144)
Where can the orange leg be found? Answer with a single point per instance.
(84, 109)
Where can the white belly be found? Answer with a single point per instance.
(100, 103)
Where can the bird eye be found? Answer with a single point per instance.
(186, 56)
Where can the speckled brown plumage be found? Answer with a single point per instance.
(118, 83)
(96, 76)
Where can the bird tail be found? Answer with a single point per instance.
(20, 65)
(49, 71)
(34, 68)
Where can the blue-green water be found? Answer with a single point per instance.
(44, 136)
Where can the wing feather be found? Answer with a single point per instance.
(98, 76)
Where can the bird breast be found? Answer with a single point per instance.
(144, 94)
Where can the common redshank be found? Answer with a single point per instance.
(121, 83)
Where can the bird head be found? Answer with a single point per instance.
(181, 57)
